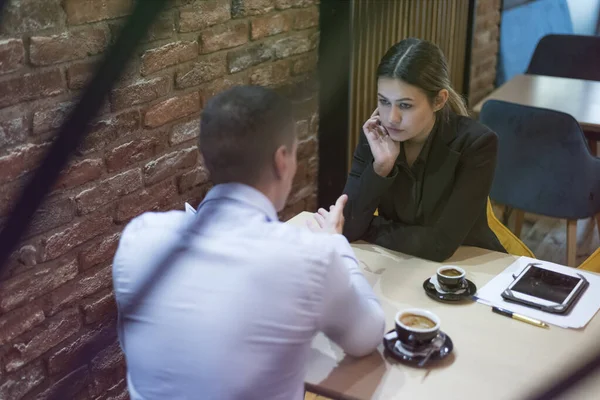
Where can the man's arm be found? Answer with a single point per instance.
(351, 315)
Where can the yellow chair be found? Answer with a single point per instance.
(592, 263)
(511, 243)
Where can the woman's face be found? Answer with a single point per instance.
(404, 110)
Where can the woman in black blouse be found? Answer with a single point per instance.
(421, 161)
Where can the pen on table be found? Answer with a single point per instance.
(520, 317)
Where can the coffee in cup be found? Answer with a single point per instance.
(451, 276)
(416, 327)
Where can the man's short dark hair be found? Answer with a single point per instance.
(240, 130)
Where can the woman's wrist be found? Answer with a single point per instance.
(382, 170)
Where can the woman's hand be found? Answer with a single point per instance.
(384, 149)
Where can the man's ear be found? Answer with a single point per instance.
(280, 163)
(441, 99)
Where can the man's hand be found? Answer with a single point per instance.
(331, 221)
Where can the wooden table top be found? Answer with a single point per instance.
(576, 97)
(494, 357)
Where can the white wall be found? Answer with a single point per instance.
(584, 14)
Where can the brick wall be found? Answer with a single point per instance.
(56, 301)
(484, 54)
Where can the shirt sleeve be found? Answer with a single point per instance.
(352, 316)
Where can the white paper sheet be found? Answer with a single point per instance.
(580, 315)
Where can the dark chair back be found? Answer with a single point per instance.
(567, 56)
(544, 164)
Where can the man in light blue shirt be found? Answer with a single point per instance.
(234, 315)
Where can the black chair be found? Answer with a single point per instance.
(569, 56)
(544, 165)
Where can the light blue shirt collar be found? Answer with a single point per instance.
(244, 194)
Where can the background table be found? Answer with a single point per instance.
(494, 357)
(576, 97)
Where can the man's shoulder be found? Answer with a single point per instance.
(150, 222)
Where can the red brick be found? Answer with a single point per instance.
(83, 11)
(483, 39)
(68, 46)
(485, 52)
(312, 203)
(172, 109)
(169, 164)
(292, 210)
(271, 74)
(51, 118)
(307, 148)
(108, 191)
(81, 286)
(314, 123)
(301, 193)
(270, 25)
(192, 179)
(244, 8)
(142, 91)
(204, 14)
(162, 28)
(69, 387)
(153, 198)
(55, 330)
(239, 60)
(28, 255)
(313, 169)
(297, 43)
(34, 283)
(107, 130)
(302, 129)
(185, 131)
(78, 233)
(19, 321)
(77, 350)
(117, 392)
(17, 385)
(12, 55)
(31, 15)
(78, 75)
(202, 71)
(485, 6)
(99, 306)
(210, 89)
(168, 55)
(283, 4)
(223, 37)
(8, 195)
(99, 251)
(108, 369)
(306, 18)
(31, 86)
(13, 130)
(195, 195)
(80, 172)
(134, 151)
(20, 160)
(52, 213)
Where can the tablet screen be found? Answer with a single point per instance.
(546, 284)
